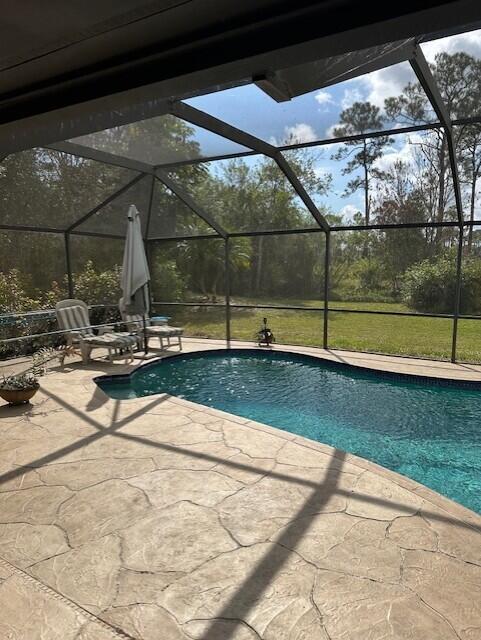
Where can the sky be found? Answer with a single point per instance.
(314, 115)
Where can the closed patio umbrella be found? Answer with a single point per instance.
(135, 276)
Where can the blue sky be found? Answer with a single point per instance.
(312, 116)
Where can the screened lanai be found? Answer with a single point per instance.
(348, 228)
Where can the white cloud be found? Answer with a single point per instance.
(351, 96)
(321, 172)
(379, 85)
(330, 132)
(388, 82)
(469, 42)
(324, 98)
(404, 154)
(300, 132)
(348, 212)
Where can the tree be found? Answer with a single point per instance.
(362, 155)
(470, 152)
(204, 262)
(458, 77)
(255, 195)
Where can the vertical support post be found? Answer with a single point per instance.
(147, 224)
(68, 263)
(327, 260)
(457, 296)
(227, 289)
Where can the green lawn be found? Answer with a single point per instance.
(426, 337)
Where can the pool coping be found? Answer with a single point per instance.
(452, 507)
(416, 378)
(466, 515)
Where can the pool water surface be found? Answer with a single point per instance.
(427, 430)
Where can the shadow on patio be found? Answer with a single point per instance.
(258, 581)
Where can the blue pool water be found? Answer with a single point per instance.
(425, 430)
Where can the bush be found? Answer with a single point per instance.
(13, 296)
(98, 287)
(168, 284)
(430, 286)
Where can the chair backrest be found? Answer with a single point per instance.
(134, 320)
(74, 315)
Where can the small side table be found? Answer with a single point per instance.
(159, 320)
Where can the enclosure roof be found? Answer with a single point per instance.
(146, 154)
(67, 69)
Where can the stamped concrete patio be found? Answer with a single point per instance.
(160, 519)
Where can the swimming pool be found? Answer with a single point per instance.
(427, 430)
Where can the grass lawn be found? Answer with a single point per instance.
(426, 337)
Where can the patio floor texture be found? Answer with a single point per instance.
(159, 519)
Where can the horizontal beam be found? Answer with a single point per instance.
(83, 151)
(94, 234)
(205, 159)
(171, 184)
(205, 236)
(273, 232)
(386, 227)
(119, 160)
(26, 228)
(408, 314)
(361, 136)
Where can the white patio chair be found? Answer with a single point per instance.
(73, 316)
(162, 332)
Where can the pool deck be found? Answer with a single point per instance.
(160, 519)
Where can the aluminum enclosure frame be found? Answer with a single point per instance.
(257, 146)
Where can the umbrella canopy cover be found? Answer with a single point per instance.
(135, 270)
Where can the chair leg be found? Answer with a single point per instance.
(85, 351)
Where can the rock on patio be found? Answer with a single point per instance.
(158, 518)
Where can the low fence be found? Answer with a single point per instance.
(21, 334)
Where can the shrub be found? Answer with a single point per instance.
(13, 296)
(168, 284)
(430, 285)
(98, 287)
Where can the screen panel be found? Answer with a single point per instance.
(47, 188)
(281, 270)
(112, 218)
(197, 321)
(403, 336)
(290, 327)
(161, 140)
(247, 194)
(170, 217)
(394, 270)
(188, 271)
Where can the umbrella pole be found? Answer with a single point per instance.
(144, 323)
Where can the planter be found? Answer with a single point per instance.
(18, 396)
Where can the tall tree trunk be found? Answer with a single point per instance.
(472, 202)
(471, 213)
(366, 185)
(442, 189)
(367, 206)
